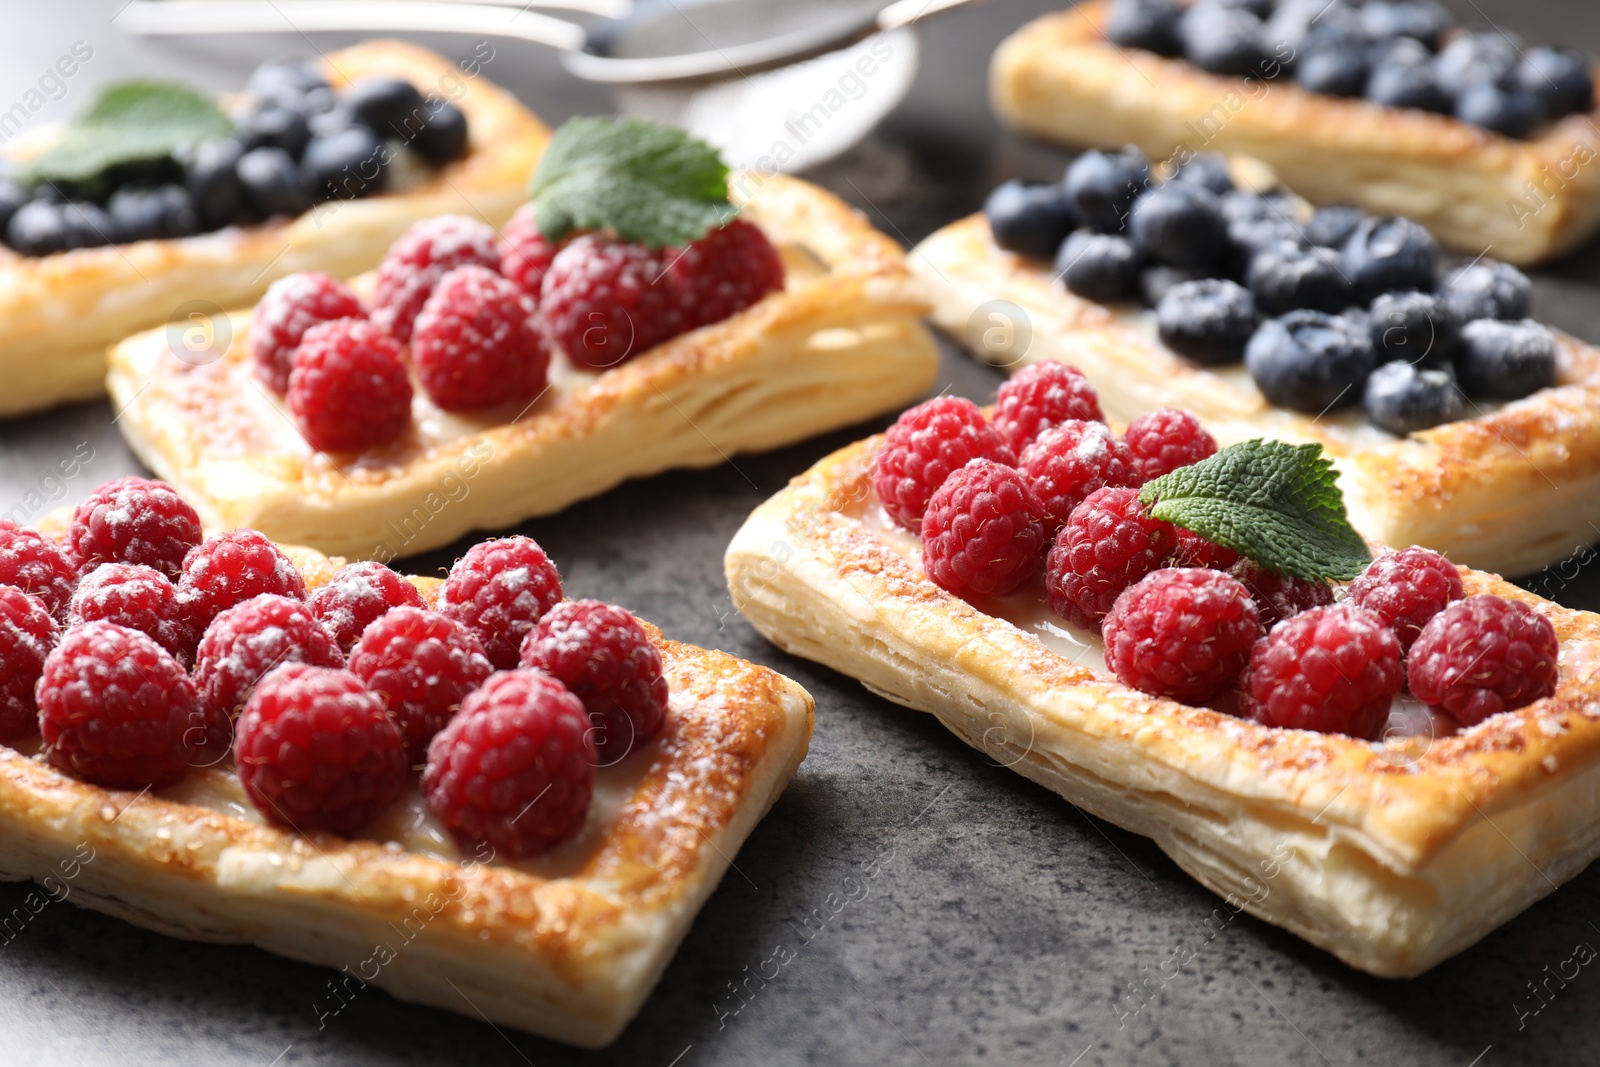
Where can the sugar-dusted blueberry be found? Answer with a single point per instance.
(1490, 289)
(274, 125)
(1310, 361)
(1179, 223)
(140, 213)
(1285, 277)
(1506, 360)
(1421, 20)
(1101, 186)
(1305, 25)
(1410, 85)
(1209, 169)
(211, 173)
(1403, 398)
(1512, 112)
(88, 225)
(392, 107)
(1561, 77)
(444, 138)
(1474, 57)
(1155, 282)
(1209, 321)
(1388, 253)
(271, 182)
(1223, 39)
(1332, 226)
(37, 229)
(1414, 327)
(1030, 219)
(345, 166)
(1099, 266)
(1338, 69)
(299, 76)
(1256, 223)
(1148, 24)
(12, 197)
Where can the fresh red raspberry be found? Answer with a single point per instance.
(230, 568)
(606, 301)
(291, 306)
(601, 653)
(349, 390)
(925, 446)
(515, 767)
(317, 751)
(1484, 655)
(421, 665)
(414, 264)
(1181, 633)
(1107, 544)
(133, 520)
(1162, 441)
(1067, 462)
(1279, 596)
(499, 590)
(27, 633)
(115, 708)
(1042, 395)
(356, 595)
(525, 252)
(35, 564)
(474, 344)
(140, 598)
(1195, 551)
(983, 532)
(1332, 669)
(724, 272)
(1407, 588)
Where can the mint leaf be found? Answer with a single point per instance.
(652, 184)
(1278, 504)
(128, 122)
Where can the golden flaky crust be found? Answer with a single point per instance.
(59, 314)
(1525, 201)
(569, 954)
(1392, 856)
(1513, 489)
(841, 343)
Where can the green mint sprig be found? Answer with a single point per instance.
(127, 122)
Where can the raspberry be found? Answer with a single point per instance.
(1181, 633)
(603, 655)
(27, 633)
(924, 446)
(231, 568)
(1279, 596)
(1407, 588)
(474, 344)
(133, 520)
(724, 272)
(1332, 669)
(114, 708)
(421, 665)
(1107, 544)
(515, 768)
(983, 532)
(499, 590)
(414, 264)
(1040, 396)
(35, 564)
(1066, 463)
(290, 307)
(1162, 441)
(525, 252)
(1195, 551)
(358, 594)
(606, 301)
(1484, 655)
(316, 750)
(349, 390)
(140, 598)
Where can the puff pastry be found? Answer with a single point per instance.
(841, 343)
(567, 945)
(1393, 856)
(1523, 201)
(59, 313)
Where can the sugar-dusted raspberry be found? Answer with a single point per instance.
(474, 344)
(1279, 596)
(245, 642)
(924, 446)
(230, 568)
(291, 306)
(1407, 588)
(525, 253)
(1333, 669)
(601, 653)
(499, 590)
(1162, 441)
(606, 301)
(356, 595)
(115, 708)
(35, 564)
(414, 264)
(515, 768)
(140, 598)
(1181, 633)
(1042, 395)
(1195, 551)
(984, 531)
(1107, 544)
(317, 751)
(133, 520)
(422, 665)
(1484, 655)
(349, 390)
(1067, 462)
(724, 272)
(27, 633)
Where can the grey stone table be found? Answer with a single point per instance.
(934, 908)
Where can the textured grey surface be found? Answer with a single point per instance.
(938, 909)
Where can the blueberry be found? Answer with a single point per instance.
(1512, 112)
(142, 213)
(37, 229)
(1029, 219)
(1405, 85)
(1154, 282)
(1223, 40)
(1337, 70)
(1399, 52)
(296, 75)
(1148, 24)
(1283, 278)
(1403, 398)
(1101, 186)
(1259, 8)
(1209, 321)
(1490, 289)
(87, 225)
(12, 197)
(335, 120)
(1099, 266)
(272, 182)
(345, 166)
(1388, 254)
(1209, 169)
(213, 180)
(1421, 20)
(1422, 328)
(1179, 223)
(1332, 226)
(1506, 360)
(391, 107)
(444, 139)
(1257, 223)
(274, 126)
(1473, 58)
(1310, 361)
(1559, 77)
(1307, 24)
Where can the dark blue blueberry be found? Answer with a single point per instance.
(1511, 112)
(1403, 398)
(391, 107)
(1337, 70)
(1209, 321)
(335, 120)
(1505, 360)
(1154, 282)
(1101, 186)
(299, 76)
(1332, 226)
(50, 193)
(37, 229)
(87, 224)
(146, 213)
(1029, 219)
(1421, 20)
(1209, 169)
(1257, 223)
(1259, 8)
(1308, 24)
(271, 182)
(1284, 278)
(1148, 24)
(444, 139)
(213, 181)
(1179, 223)
(275, 126)
(1562, 78)
(1399, 52)
(346, 166)
(1388, 254)
(1406, 85)
(1224, 40)
(1310, 361)
(1414, 327)
(12, 197)
(1099, 266)
(1474, 58)
(1490, 289)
